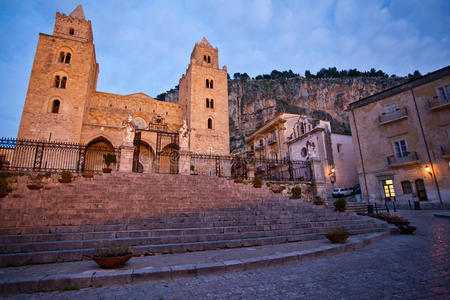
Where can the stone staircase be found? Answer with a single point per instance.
(156, 214)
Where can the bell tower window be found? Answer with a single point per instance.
(211, 83)
(209, 59)
(210, 123)
(207, 102)
(207, 83)
(61, 57)
(67, 59)
(71, 31)
(57, 81)
(63, 82)
(211, 103)
(55, 106)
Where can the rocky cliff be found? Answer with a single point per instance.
(254, 102)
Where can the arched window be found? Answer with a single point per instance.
(210, 124)
(55, 106)
(67, 60)
(207, 102)
(61, 57)
(207, 83)
(209, 59)
(211, 103)
(57, 81)
(63, 82)
(71, 31)
(406, 186)
(204, 57)
(211, 83)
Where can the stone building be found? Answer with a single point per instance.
(269, 141)
(62, 103)
(331, 154)
(401, 139)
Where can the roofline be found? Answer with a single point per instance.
(250, 137)
(400, 88)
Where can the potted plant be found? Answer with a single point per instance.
(4, 188)
(238, 180)
(66, 177)
(88, 175)
(109, 159)
(296, 192)
(257, 182)
(338, 235)
(340, 204)
(318, 201)
(277, 189)
(112, 257)
(35, 183)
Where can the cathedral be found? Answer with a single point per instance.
(63, 105)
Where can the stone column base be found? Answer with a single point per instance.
(126, 158)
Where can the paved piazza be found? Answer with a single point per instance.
(398, 267)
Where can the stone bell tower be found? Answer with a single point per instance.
(64, 73)
(203, 95)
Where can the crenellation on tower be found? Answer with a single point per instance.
(73, 26)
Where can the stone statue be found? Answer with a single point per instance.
(184, 136)
(311, 148)
(129, 131)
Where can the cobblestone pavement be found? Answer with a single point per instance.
(398, 267)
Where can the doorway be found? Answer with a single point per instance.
(420, 188)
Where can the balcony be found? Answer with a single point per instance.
(271, 141)
(445, 151)
(438, 103)
(410, 159)
(397, 115)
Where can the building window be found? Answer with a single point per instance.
(55, 106)
(209, 59)
(304, 152)
(207, 83)
(57, 81)
(444, 92)
(67, 60)
(207, 102)
(338, 147)
(204, 57)
(71, 31)
(406, 187)
(211, 103)
(210, 124)
(211, 83)
(63, 83)
(400, 149)
(388, 187)
(61, 57)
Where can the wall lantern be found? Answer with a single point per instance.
(332, 175)
(428, 169)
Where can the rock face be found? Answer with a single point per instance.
(251, 103)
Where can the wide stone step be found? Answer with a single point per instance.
(23, 258)
(124, 231)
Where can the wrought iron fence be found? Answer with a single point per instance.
(33, 155)
(271, 169)
(212, 165)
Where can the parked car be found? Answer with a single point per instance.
(342, 192)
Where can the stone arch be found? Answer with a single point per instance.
(59, 79)
(51, 102)
(168, 161)
(94, 151)
(63, 53)
(139, 122)
(146, 157)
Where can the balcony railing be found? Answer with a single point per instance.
(410, 159)
(271, 141)
(445, 151)
(437, 103)
(399, 114)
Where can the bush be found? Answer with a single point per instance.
(340, 204)
(257, 182)
(109, 159)
(338, 234)
(338, 230)
(48, 175)
(296, 191)
(318, 201)
(112, 251)
(66, 174)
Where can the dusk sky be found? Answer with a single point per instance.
(144, 46)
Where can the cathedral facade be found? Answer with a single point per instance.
(62, 103)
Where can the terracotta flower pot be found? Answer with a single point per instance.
(65, 180)
(276, 191)
(238, 180)
(88, 175)
(296, 197)
(257, 186)
(337, 237)
(112, 262)
(107, 170)
(35, 186)
(406, 229)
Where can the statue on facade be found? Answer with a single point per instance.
(184, 136)
(129, 127)
(311, 148)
